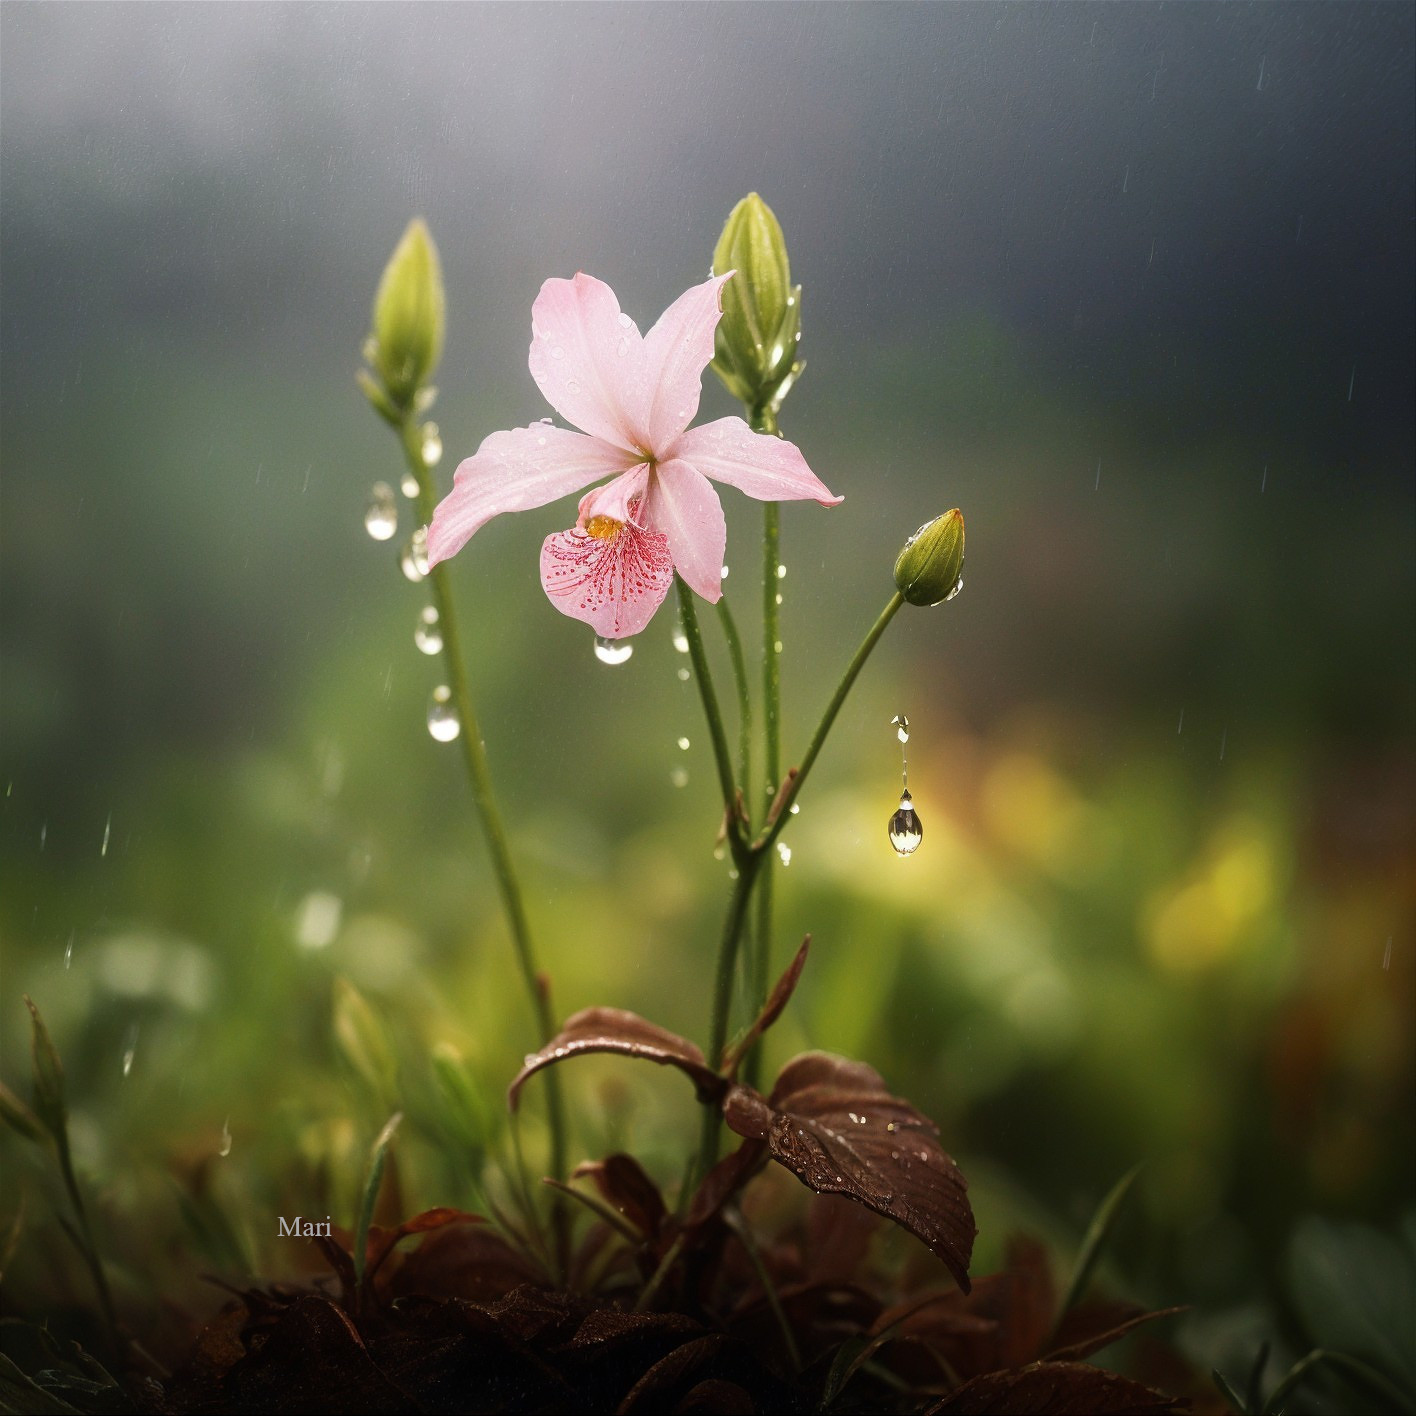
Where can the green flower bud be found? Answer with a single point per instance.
(930, 569)
(407, 339)
(757, 337)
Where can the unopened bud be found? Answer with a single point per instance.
(930, 569)
(756, 344)
(407, 339)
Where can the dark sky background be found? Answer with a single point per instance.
(1176, 240)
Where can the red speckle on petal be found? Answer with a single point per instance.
(614, 581)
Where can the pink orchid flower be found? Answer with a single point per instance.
(634, 397)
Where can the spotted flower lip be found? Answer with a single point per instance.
(633, 396)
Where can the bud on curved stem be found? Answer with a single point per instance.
(756, 341)
(930, 568)
(407, 338)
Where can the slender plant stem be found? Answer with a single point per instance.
(721, 756)
(474, 755)
(774, 826)
(730, 633)
(85, 1232)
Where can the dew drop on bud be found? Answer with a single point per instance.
(428, 633)
(443, 722)
(905, 830)
(612, 651)
(901, 725)
(409, 485)
(432, 445)
(381, 517)
(958, 585)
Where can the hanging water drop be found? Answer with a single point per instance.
(414, 561)
(905, 830)
(723, 574)
(432, 445)
(225, 1147)
(409, 486)
(684, 675)
(901, 725)
(958, 585)
(784, 851)
(683, 744)
(381, 517)
(443, 722)
(427, 634)
(612, 651)
(680, 641)
(679, 776)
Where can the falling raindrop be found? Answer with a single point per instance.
(130, 1049)
(225, 1147)
(414, 561)
(684, 675)
(679, 776)
(432, 445)
(107, 832)
(381, 517)
(69, 950)
(785, 852)
(612, 651)
(901, 725)
(443, 722)
(683, 744)
(905, 830)
(723, 574)
(409, 486)
(781, 572)
(680, 641)
(427, 635)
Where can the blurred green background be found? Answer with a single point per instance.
(1131, 285)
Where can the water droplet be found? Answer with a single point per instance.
(443, 722)
(684, 675)
(225, 1147)
(432, 445)
(901, 725)
(732, 874)
(785, 852)
(540, 442)
(427, 635)
(130, 1049)
(623, 348)
(107, 831)
(720, 851)
(381, 517)
(723, 574)
(777, 647)
(958, 585)
(683, 744)
(69, 950)
(414, 560)
(905, 829)
(781, 572)
(409, 486)
(796, 807)
(679, 776)
(779, 597)
(680, 641)
(612, 651)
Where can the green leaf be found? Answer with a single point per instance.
(19, 1117)
(48, 1075)
(1096, 1236)
(363, 1041)
(1226, 1390)
(377, 1156)
(1355, 1290)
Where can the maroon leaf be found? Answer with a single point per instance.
(614, 1030)
(653, 1390)
(1054, 1389)
(724, 1181)
(382, 1242)
(469, 1262)
(771, 1011)
(1089, 1328)
(833, 1124)
(622, 1182)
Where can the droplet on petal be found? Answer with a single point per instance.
(612, 651)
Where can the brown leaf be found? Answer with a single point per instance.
(655, 1388)
(469, 1262)
(1054, 1389)
(625, 1186)
(771, 1011)
(382, 1242)
(615, 1030)
(724, 1181)
(833, 1124)
(1089, 1328)
(716, 1397)
(838, 1235)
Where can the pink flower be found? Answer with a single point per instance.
(634, 396)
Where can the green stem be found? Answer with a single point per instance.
(474, 755)
(90, 1249)
(725, 616)
(774, 826)
(689, 618)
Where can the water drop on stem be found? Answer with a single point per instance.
(443, 723)
(381, 515)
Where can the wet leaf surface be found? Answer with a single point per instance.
(836, 1127)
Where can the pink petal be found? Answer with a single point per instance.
(683, 505)
(676, 351)
(768, 468)
(587, 358)
(513, 471)
(622, 499)
(613, 583)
